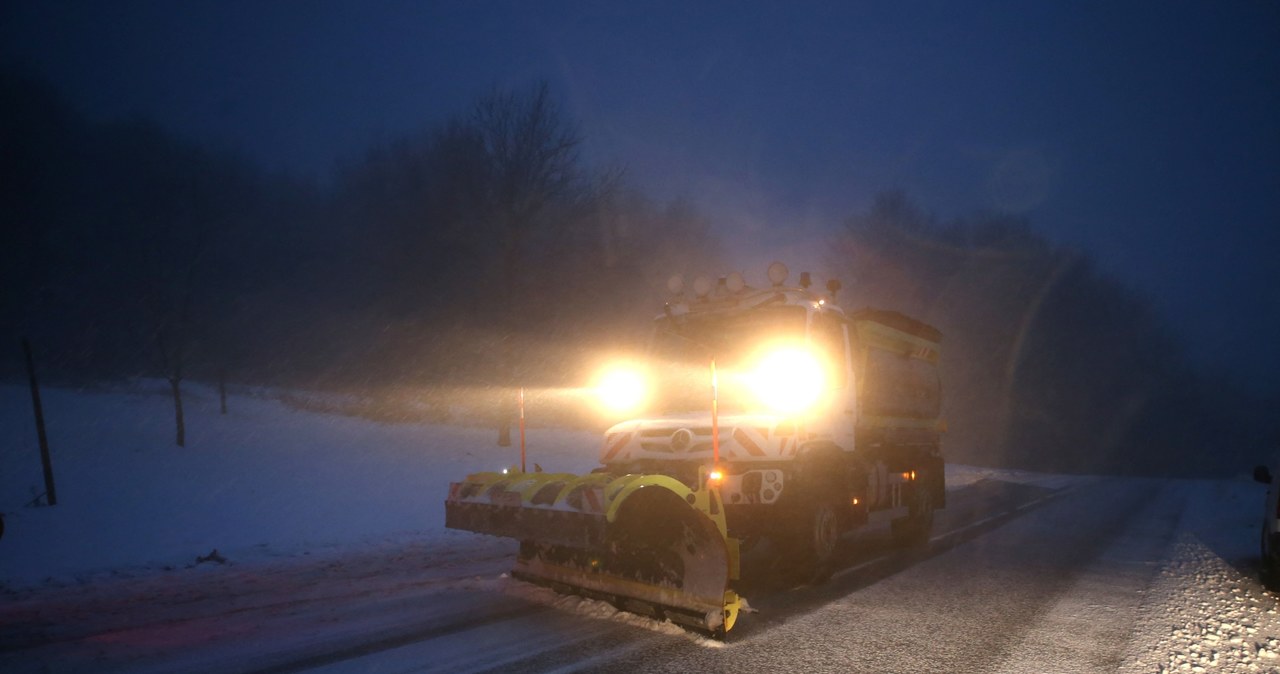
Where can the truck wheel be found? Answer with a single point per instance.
(915, 527)
(824, 533)
(815, 517)
(813, 543)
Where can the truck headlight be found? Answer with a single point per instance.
(621, 389)
(788, 380)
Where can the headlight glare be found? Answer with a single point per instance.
(788, 380)
(621, 389)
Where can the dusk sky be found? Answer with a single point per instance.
(1147, 133)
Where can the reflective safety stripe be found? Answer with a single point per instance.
(615, 447)
(593, 500)
(747, 443)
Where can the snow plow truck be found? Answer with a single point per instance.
(756, 414)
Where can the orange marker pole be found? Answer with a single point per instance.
(521, 406)
(715, 416)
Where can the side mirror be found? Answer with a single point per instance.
(1262, 474)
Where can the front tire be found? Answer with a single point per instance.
(812, 544)
(816, 518)
(824, 533)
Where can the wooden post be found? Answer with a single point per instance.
(222, 390)
(51, 494)
(175, 384)
(715, 416)
(504, 417)
(522, 470)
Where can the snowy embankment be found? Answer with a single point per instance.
(1207, 611)
(264, 480)
(267, 482)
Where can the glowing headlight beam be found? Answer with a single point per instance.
(621, 389)
(789, 380)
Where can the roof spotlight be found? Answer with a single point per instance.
(735, 283)
(702, 286)
(778, 273)
(675, 284)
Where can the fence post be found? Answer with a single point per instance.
(222, 389)
(51, 495)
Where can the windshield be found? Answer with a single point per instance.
(682, 351)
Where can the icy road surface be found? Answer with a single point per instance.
(1102, 576)
(1024, 573)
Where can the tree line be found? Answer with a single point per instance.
(456, 254)
(1049, 363)
(485, 251)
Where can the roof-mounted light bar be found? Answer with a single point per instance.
(778, 273)
(702, 286)
(675, 284)
(734, 283)
(705, 288)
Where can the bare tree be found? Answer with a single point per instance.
(531, 168)
(528, 169)
(182, 195)
(170, 309)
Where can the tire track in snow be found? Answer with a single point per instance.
(969, 607)
(176, 617)
(364, 645)
(1088, 629)
(978, 509)
(352, 613)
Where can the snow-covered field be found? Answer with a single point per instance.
(263, 481)
(268, 485)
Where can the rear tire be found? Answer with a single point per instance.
(915, 529)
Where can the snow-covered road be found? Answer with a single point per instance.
(1018, 578)
(338, 562)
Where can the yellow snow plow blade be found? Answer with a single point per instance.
(646, 543)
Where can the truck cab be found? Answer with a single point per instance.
(813, 420)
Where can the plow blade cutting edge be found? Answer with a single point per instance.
(648, 544)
